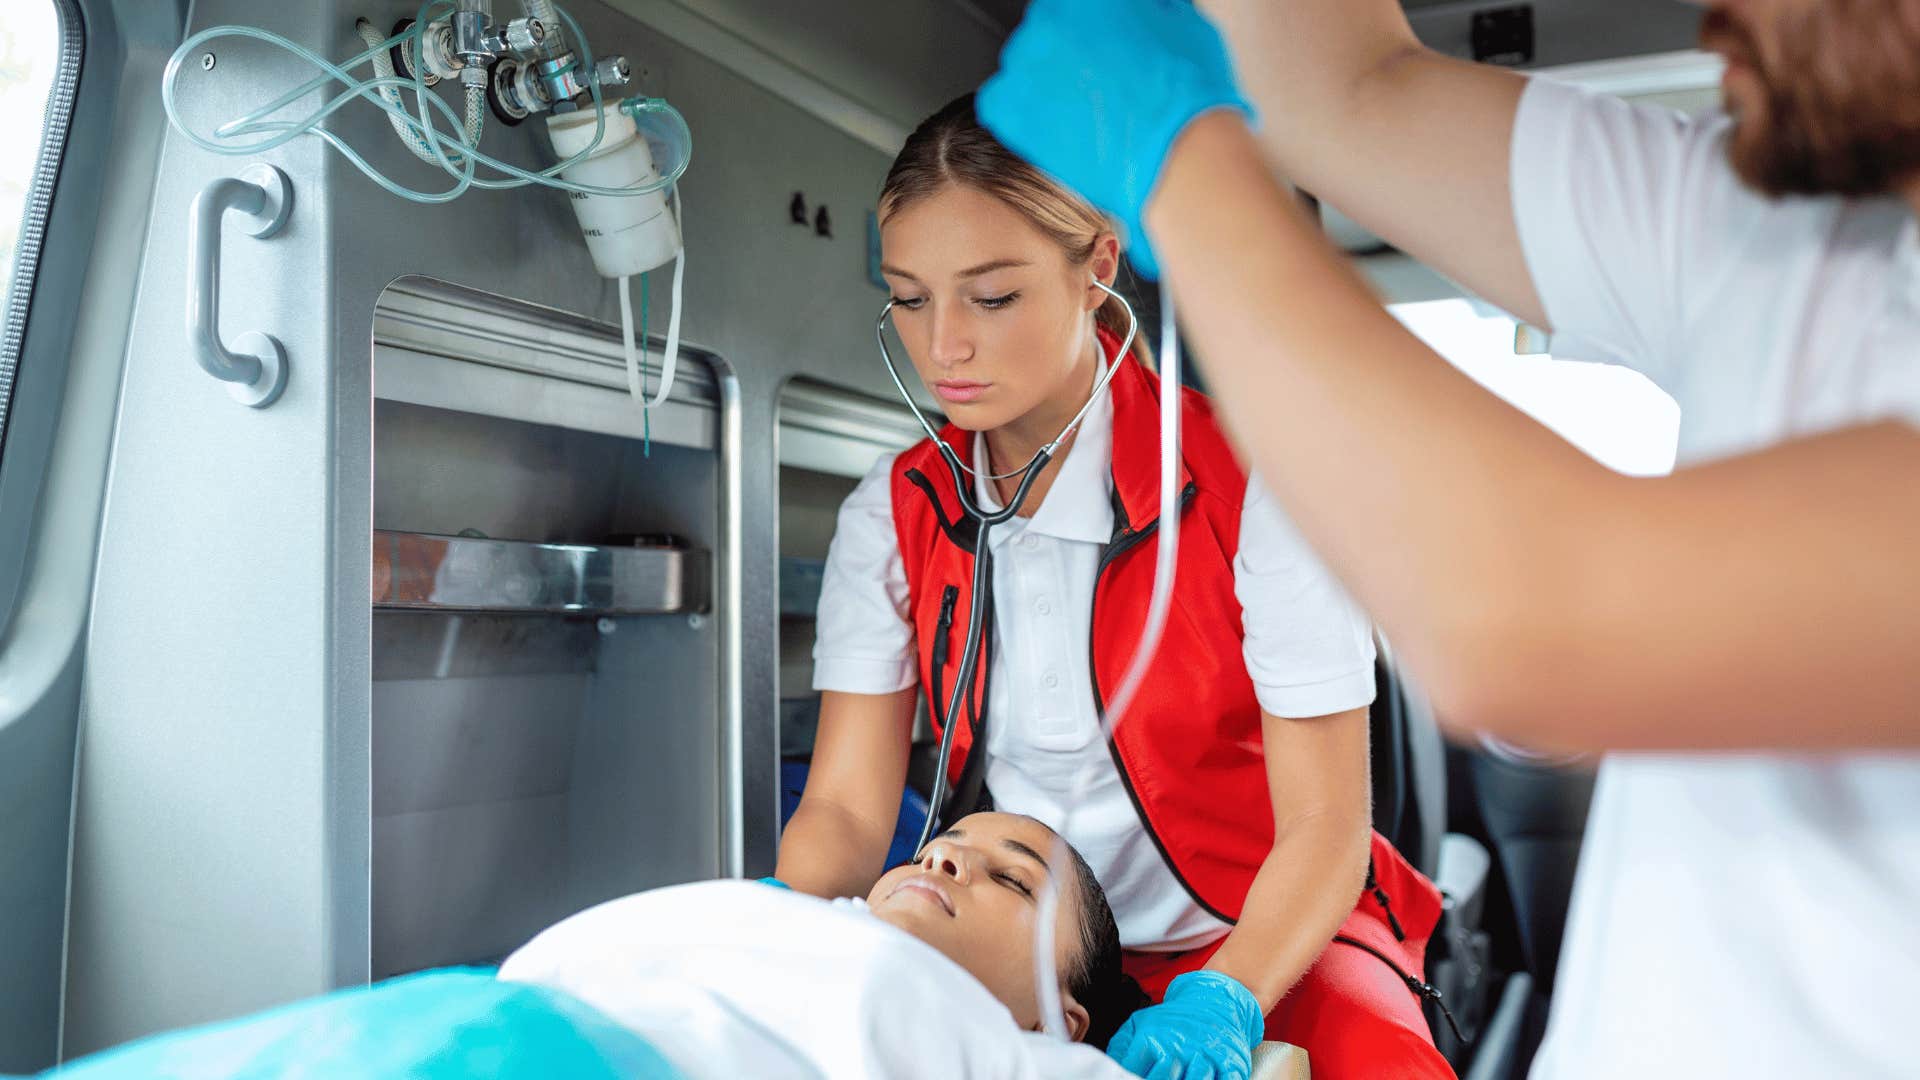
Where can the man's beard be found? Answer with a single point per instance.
(1840, 103)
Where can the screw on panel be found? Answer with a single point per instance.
(696, 622)
(206, 62)
(606, 625)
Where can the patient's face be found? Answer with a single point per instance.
(975, 896)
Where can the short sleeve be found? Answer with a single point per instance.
(1308, 647)
(1616, 205)
(864, 639)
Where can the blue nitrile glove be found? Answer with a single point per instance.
(1205, 1029)
(1096, 91)
(776, 883)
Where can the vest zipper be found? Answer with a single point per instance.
(1422, 990)
(1123, 543)
(942, 646)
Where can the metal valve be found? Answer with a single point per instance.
(525, 34)
(612, 71)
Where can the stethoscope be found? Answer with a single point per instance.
(984, 521)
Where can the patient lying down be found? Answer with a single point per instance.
(931, 974)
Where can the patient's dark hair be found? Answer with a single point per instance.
(1109, 994)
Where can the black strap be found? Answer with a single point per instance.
(957, 536)
(1380, 894)
(1424, 991)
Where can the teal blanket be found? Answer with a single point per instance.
(438, 1024)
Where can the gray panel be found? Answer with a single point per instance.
(469, 883)
(446, 472)
(644, 787)
(417, 645)
(440, 743)
(36, 776)
(1569, 31)
(873, 68)
(56, 449)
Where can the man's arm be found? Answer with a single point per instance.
(836, 843)
(1414, 145)
(1765, 601)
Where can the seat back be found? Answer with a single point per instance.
(1409, 765)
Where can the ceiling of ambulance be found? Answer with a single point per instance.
(884, 64)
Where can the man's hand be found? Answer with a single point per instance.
(1096, 91)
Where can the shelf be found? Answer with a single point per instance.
(424, 572)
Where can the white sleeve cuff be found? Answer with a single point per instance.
(1302, 700)
(846, 675)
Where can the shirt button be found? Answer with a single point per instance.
(1052, 680)
(1029, 541)
(1043, 607)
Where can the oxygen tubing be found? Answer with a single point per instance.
(423, 126)
(1046, 973)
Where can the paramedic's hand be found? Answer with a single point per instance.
(1096, 91)
(1206, 1029)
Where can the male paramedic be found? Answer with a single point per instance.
(1741, 914)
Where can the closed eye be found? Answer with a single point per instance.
(910, 305)
(1014, 883)
(995, 303)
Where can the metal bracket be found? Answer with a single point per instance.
(255, 369)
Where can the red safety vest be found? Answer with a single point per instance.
(1190, 753)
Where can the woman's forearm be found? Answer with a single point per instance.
(1304, 891)
(828, 850)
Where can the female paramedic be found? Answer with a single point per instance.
(1228, 819)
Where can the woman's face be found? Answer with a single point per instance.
(995, 316)
(975, 896)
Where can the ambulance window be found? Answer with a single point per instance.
(1617, 416)
(36, 53)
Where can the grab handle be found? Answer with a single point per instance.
(255, 369)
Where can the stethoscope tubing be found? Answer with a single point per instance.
(982, 573)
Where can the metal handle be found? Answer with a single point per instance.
(255, 369)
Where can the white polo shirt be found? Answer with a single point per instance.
(1748, 915)
(1308, 648)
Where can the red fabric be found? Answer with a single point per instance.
(1191, 751)
(1352, 1013)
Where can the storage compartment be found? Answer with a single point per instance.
(548, 684)
(829, 440)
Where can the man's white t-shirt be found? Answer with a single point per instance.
(1308, 650)
(1748, 915)
(731, 979)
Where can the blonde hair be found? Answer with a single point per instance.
(951, 147)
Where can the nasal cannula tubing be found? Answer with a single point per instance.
(423, 125)
(1046, 973)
